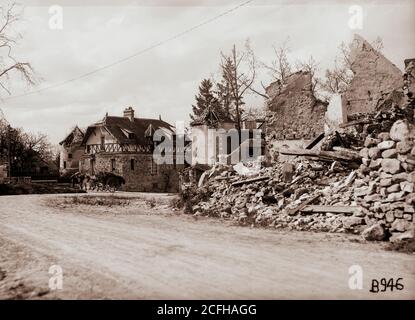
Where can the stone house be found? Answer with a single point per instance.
(71, 151)
(124, 146)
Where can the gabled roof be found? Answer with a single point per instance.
(117, 126)
(76, 135)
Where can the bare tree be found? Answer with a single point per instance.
(339, 78)
(311, 66)
(39, 144)
(377, 44)
(9, 15)
(280, 68)
(239, 73)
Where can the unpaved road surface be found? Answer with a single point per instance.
(134, 251)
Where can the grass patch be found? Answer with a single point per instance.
(103, 201)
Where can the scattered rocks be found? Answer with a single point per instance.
(404, 146)
(390, 153)
(401, 225)
(375, 232)
(388, 144)
(382, 187)
(390, 165)
(399, 237)
(350, 222)
(399, 130)
(374, 153)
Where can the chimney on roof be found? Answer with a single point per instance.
(129, 113)
(159, 116)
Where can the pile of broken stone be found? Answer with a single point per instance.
(385, 187)
(375, 199)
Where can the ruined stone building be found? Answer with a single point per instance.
(409, 79)
(71, 151)
(376, 81)
(124, 146)
(294, 115)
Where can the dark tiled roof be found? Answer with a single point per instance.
(137, 128)
(76, 135)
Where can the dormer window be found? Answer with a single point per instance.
(149, 131)
(128, 134)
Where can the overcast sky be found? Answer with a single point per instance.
(164, 80)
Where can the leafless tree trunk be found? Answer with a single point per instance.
(9, 15)
(280, 68)
(311, 66)
(239, 71)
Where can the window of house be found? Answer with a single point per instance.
(112, 164)
(102, 143)
(64, 164)
(132, 164)
(70, 155)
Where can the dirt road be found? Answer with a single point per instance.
(136, 252)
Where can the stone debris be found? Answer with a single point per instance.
(360, 178)
(363, 184)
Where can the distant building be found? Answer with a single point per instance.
(211, 138)
(124, 146)
(71, 151)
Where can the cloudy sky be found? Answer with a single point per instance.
(163, 80)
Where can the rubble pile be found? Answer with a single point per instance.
(386, 180)
(358, 179)
(270, 198)
(364, 184)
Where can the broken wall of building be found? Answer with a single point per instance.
(293, 112)
(409, 79)
(374, 80)
(294, 115)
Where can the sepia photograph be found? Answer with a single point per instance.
(185, 151)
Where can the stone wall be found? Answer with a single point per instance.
(145, 177)
(375, 77)
(386, 182)
(293, 112)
